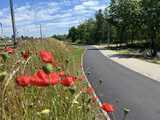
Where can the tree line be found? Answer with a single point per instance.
(123, 21)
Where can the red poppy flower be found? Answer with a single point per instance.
(40, 78)
(89, 90)
(107, 107)
(67, 81)
(73, 77)
(54, 78)
(61, 73)
(46, 56)
(23, 80)
(9, 50)
(25, 54)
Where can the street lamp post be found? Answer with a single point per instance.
(13, 22)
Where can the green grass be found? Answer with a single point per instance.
(154, 60)
(126, 51)
(131, 51)
(49, 103)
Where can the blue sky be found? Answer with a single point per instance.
(55, 16)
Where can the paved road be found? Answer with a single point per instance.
(123, 87)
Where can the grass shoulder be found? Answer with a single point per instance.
(52, 102)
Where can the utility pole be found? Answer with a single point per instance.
(13, 22)
(1, 29)
(109, 30)
(40, 30)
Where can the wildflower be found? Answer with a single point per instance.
(107, 107)
(9, 50)
(47, 68)
(67, 81)
(25, 54)
(89, 90)
(54, 78)
(40, 78)
(73, 77)
(23, 80)
(61, 73)
(46, 56)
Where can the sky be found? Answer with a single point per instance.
(55, 16)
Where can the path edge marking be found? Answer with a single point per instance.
(94, 94)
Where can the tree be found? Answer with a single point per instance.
(99, 30)
(151, 19)
(124, 21)
(73, 34)
(125, 15)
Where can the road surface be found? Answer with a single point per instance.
(122, 87)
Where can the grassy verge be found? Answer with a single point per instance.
(44, 103)
(131, 52)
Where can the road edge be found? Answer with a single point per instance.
(94, 94)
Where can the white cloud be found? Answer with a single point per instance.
(56, 17)
(91, 4)
(1, 13)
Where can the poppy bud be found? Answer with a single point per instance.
(47, 68)
(5, 56)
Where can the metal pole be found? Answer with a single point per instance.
(41, 31)
(1, 30)
(13, 22)
(109, 29)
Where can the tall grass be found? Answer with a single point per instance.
(44, 103)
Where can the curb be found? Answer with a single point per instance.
(89, 84)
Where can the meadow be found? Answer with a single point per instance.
(36, 100)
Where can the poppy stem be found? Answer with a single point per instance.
(7, 79)
(73, 101)
(113, 116)
(126, 112)
(25, 65)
